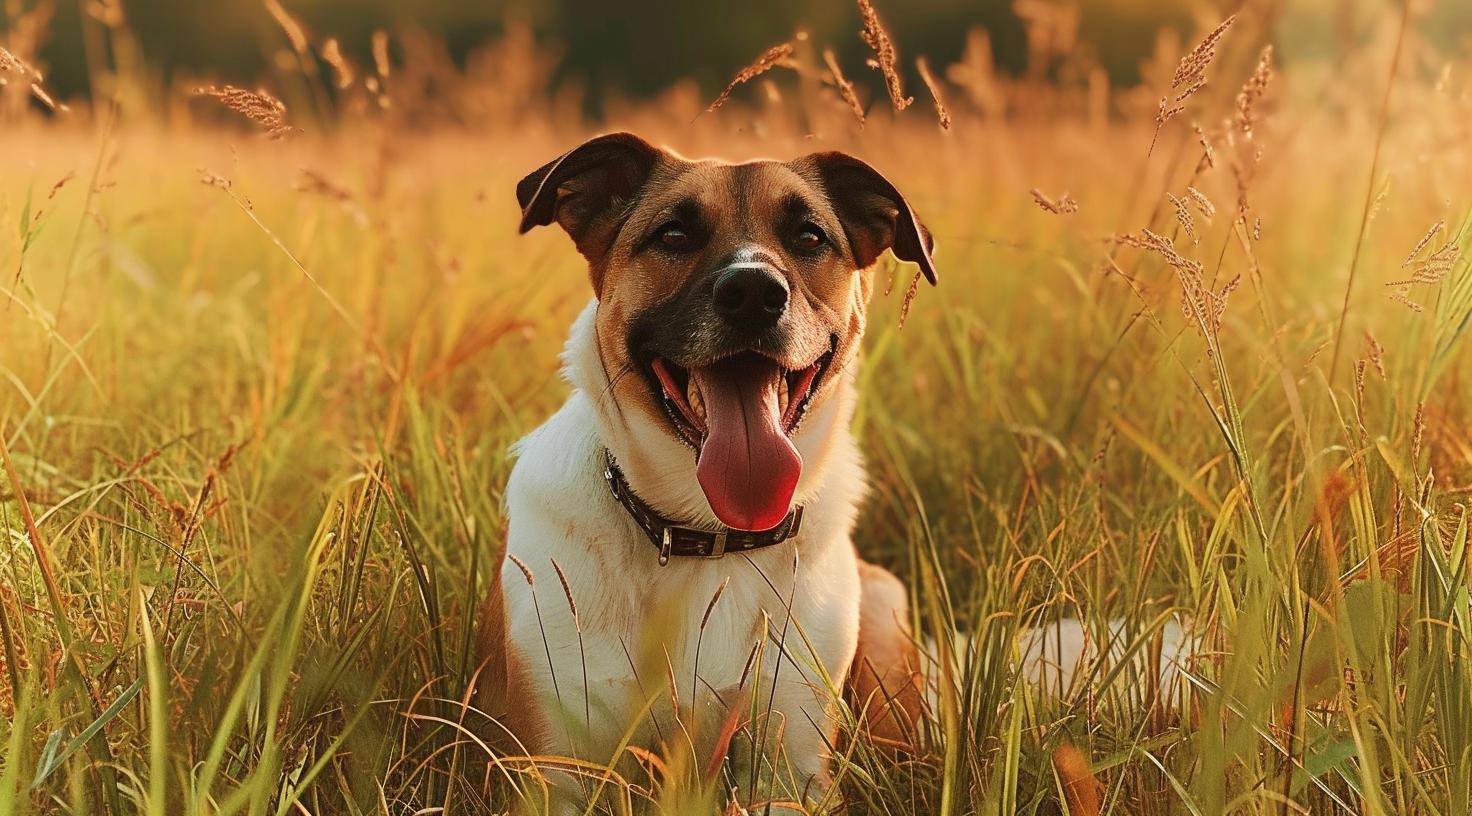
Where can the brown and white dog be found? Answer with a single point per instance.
(695, 495)
(713, 380)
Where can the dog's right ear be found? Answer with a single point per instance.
(584, 190)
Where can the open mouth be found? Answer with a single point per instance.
(739, 413)
(684, 400)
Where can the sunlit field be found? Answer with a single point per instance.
(1204, 365)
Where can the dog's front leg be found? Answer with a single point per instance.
(795, 699)
(785, 751)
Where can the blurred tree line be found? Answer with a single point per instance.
(639, 47)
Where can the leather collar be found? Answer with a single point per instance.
(676, 540)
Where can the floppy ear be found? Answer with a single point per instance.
(875, 216)
(585, 188)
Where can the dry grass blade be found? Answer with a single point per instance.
(1062, 205)
(380, 54)
(934, 87)
(1189, 77)
(45, 98)
(210, 178)
(258, 106)
(39, 548)
(886, 59)
(845, 88)
(341, 70)
(771, 58)
(294, 31)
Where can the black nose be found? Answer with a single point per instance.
(750, 298)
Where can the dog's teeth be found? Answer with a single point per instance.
(783, 397)
(692, 398)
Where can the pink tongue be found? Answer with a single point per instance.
(747, 467)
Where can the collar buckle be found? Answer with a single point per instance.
(666, 543)
(718, 547)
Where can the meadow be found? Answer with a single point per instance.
(259, 375)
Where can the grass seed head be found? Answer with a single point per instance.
(526, 572)
(258, 106)
(1063, 205)
(886, 58)
(1423, 243)
(1208, 153)
(710, 607)
(845, 88)
(210, 178)
(12, 64)
(1433, 268)
(567, 591)
(1202, 203)
(1200, 303)
(771, 58)
(1189, 77)
(934, 87)
(1375, 352)
(1248, 115)
(1184, 217)
(909, 299)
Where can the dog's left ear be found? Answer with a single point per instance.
(584, 189)
(875, 216)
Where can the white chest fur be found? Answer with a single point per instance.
(615, 642)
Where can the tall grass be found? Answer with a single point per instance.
(253, 430)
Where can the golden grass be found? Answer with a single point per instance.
(253, 422)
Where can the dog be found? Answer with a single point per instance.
(678, 549)
(679, 555)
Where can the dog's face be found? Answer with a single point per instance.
(730, 293)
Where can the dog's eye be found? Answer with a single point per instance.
(674, 236)
(809, 237)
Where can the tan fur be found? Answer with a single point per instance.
(885, 682)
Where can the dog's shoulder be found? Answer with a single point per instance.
(558, 461)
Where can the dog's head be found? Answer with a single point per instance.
(732, 291)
